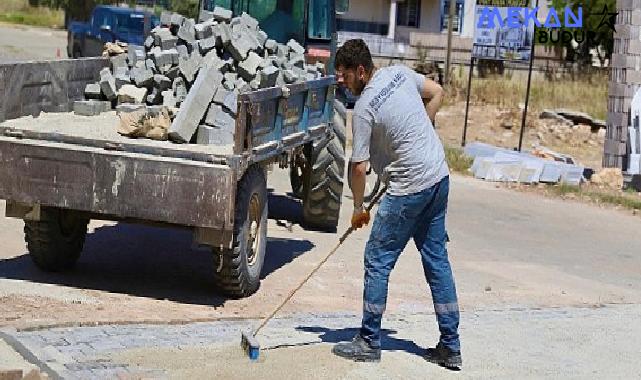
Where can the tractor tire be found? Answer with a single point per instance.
(55, 242)
(237, 269)
(323, 186)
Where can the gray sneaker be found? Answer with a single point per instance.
(443, 356)
(357, 350)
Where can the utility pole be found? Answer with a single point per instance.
(450, 28)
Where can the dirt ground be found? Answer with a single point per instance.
(501, 127)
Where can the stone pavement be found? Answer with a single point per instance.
(512, 343)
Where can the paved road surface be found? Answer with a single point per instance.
(547, 288)
(19, 43)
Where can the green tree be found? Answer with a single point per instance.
(603, 38)
(187, 8)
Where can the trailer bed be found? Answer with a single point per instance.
(96, 130)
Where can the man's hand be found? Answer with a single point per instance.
(360, 217)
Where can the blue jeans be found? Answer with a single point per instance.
(420, 216)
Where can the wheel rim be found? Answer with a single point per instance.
(254, 240)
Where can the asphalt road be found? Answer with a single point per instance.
(22, 43)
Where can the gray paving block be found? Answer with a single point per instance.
(107, 84)
(162, 82)
(255, 84)
(280, 79)
(240, 46)
(202, 31)
(222, 14)
(187, 31)
(282, 51)
(183, 51)
(232, 77)
(164, 39)
(155, 97)
(268, 76)
(90, 107)
(282, 62)
(93, 91)
(143, 77)
(177, 20)
(207, 45)
(271, 46)
(149, 64)
(241, 85)
(189, 66)
(248, 68)
(262, 38)
(205, 16)
(123, 77)
(163, 57)
(295, 47)
(165, 18)
(168, 99)
(119, 60)
(212, 112)
(180, 89)
(248, 21)
(195, 105)
(149, 42)
(135, 54)
(298, 60)
(131, 94)
(228, 99)
(229, 85)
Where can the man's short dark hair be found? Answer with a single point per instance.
(352, 54)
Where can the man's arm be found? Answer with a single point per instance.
(432, 94)
(358, 174)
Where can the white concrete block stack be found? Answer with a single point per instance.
(197, 70)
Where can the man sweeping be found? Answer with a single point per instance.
(393, 131)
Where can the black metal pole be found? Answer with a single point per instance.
(527, 95)
(467, 103)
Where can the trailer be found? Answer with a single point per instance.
(57, 176)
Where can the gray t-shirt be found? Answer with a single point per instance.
(391, 129)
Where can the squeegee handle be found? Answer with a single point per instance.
(319, 265)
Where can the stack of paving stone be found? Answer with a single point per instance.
(625, 79)
(197, 70)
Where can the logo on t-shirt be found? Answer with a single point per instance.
(387, 91)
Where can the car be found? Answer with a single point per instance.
(109, 24)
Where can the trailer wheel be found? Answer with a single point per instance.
(237, 270)
(55, 242)
(323, 187)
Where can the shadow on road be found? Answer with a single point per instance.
(149, 262)
(388, 341)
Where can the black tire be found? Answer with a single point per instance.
(297, 172)
(324, 186)
(55, 242)
(238, 275)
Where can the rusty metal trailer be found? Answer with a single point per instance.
(57, 182)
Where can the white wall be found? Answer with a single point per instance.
(368, 10)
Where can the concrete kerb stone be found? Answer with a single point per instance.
(135, 54)
(91, 107)
(239, 46)
(179, 88)
(248, 21)
(149, 42)
(108, 84)
(282, 51)
(228, 99)
(195, 105)
(262, 38)
(202, 31)
(207, 44)
(168, 99)
(165, 18)
(176, 19)
(297, 60)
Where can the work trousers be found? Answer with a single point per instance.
(420, 216)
